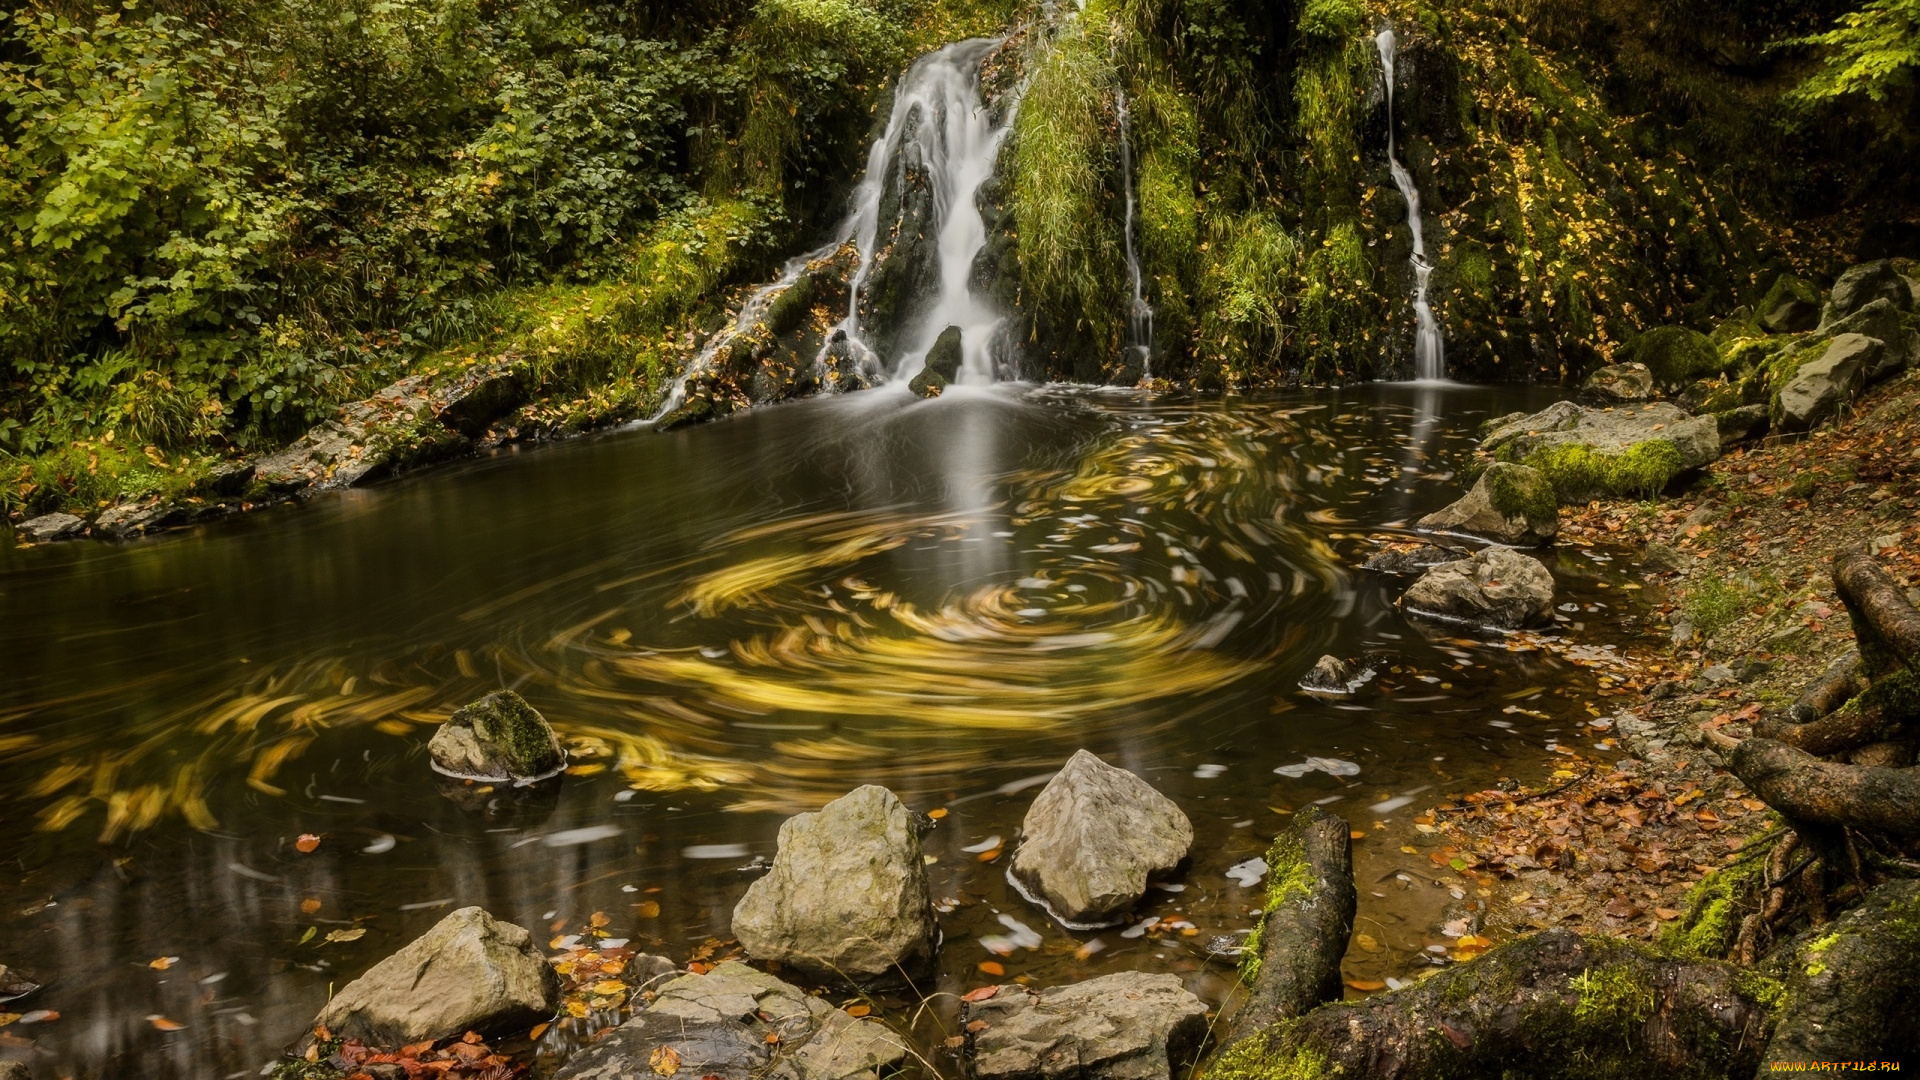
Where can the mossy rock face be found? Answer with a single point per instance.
(1675, 354)
(499, 737)
(1790, 306)
(1512, 504)
(1632, 451)
(928, 384)
(944, 358)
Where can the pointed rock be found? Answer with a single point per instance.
(471, 972)
(499, 737)
(1092, 839)
(847, 896)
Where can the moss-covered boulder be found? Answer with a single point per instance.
(500, 737)
(1675, 354)
(945, 355)
(927, 383)
(1820, 388)
(1584, 453)
(1892, 327)
(1512, 504)
(1791, 306)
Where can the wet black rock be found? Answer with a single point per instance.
(48, 528)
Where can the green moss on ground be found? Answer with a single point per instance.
(1251, 1059)
(1289, 877)
(1715, 907)
(1675, 354)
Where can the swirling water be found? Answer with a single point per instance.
(729, 624)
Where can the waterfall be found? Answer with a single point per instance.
(941, 121)
(1140, 317)
(1429, 360)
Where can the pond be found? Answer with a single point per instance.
(730, 624)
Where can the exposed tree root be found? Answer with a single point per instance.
(1550, 1005)
(1807, 789)
(1885, 625)
(1840, 683)
(1850, 987)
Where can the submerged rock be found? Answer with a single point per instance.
(1589, 453)
(1415, 558)
(48, 528)
(1509, 503)
(1620, 383)
(1092, 839)
(471, 972)
(1498, 587)
(1332, 675)
(1821, 388)
(1791, 306)
(14, 984)
(737, 1023)
(1129, 1026)
(499, 737)
(847, 896)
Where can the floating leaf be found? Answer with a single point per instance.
(647, 909)
(163, 963)
(992, 967)
(307, 843)
(354, 934)
(161, 1023)
(858, 1009)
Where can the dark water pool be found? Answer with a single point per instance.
(730, 624)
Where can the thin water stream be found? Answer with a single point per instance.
(1429, 351)
(729, 624)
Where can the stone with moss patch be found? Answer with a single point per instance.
(1512, 504)
(499, 737)
(1591, 453)
(1791, 306)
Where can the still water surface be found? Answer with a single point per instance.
(732, 623)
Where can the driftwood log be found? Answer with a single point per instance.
(1295, 952)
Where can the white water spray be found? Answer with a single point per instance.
(1140, 316)
(957, 139)
(1429, 360)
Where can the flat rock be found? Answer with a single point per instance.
(1498, 588)
(1822, 387)
(48, 528)
(1511, 504)
(499, 737)
(1413, 558)
(1588, 453)
(738, 1023)
(847, 895)
(130, 520)
(471, 972)
(1092, 839)
(1619, 383)
(1129, 1026)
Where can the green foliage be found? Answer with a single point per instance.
(1062, 159)
(1869, 52)
(1714, 603)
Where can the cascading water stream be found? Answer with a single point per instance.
(956, 138)
(1140, 316)
(1429, 360)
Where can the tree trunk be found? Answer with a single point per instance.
(1551, 1005)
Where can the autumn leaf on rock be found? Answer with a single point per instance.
(981, 994)
(664, 1061)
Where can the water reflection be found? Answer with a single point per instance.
(728, 623)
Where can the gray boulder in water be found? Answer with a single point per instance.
(847, 896)
(499, 737)
(1821, 388)
(48, 528)
(1092, 839)
(737, 1023)
(1498, 588)
(1130, 1026)
(1509, 503)
(471, 972)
